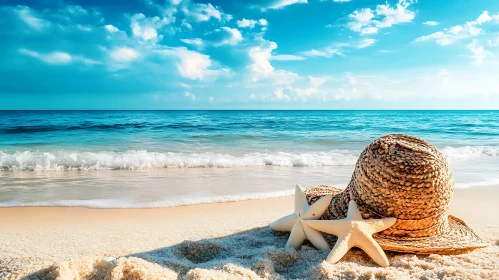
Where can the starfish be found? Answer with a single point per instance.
(295, 222)
(353, 231)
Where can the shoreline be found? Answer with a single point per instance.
(34, 238)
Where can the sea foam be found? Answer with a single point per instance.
(134, 160)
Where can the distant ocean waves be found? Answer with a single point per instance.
(134, 160)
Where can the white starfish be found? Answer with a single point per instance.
(294, 222)
(353, 231)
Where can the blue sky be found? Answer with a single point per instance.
(277, 54)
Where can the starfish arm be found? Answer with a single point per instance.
(335, 227)
(380, 224)
(340, 249)
(301, 203)
(353, 211)
(296, 237)
(315, 237)
(284, 223)
(316, 210)
(372, 248)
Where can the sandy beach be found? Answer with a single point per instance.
(215, 241)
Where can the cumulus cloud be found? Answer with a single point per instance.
(431, 23)
(279, 94)
(124, 54)
(224, 36)
(57, 57)
(316, 82)
(146, 28)
(29, 16)
(189, 95)
(50, 58)
(365, 43)
(277, 4)
(338, 49)
(478, 52)
(261, 69)
(368, 21)
(205, 12)
(111, 28)
(450, 35)
(251, 23)
(191, 64)
(326, 52)
(195, 41)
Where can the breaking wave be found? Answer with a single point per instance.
(133, 160)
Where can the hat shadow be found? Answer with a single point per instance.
(258, 252)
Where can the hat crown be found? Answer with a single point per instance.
(407, 178)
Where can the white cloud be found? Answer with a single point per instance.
(85, 28)
(367, 21)
(205, 12)
(261, 69)
(493, 44)
(431, 23)
(279, 95)
(224, 36)
(184, 85)
(392, 16)
(483, 18)
(316, 82)
(360, 19)
(211, 99)
(76, 10)
(250, 23)
(234, 38)
(326, 52)
(279, 4)
(478, 52)
(365, 43)
(191, 65)
(111, 28)
(195, 41)
(50, 58)
(57, 58)
(146, 28)
(369, 30)
(286, 57)
(450, 35)
(27, 15)
(337, 49)
(190, 95)
(124, 54)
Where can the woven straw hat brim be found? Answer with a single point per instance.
(456, 238)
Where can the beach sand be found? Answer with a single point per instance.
(216, 241)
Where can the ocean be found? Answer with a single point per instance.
(139, 159)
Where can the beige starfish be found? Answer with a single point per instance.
(353, 231)
(294, 222)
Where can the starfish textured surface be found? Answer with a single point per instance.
(294, 223)
(353, 231)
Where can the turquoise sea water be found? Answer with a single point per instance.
(161, 158)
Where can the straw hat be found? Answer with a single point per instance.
(407, 178)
